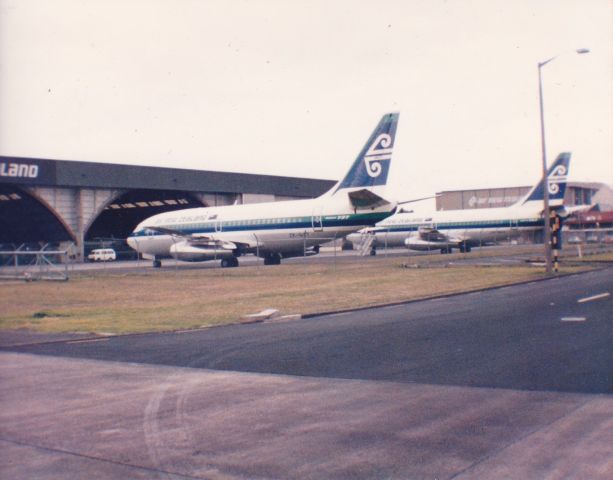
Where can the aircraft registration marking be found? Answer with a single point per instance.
(593, 297)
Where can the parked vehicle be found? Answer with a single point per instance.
(102, 255)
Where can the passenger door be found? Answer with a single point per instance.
(317, 219)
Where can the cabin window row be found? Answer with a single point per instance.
(235, 223)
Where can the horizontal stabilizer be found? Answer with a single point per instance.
(366, 199)
(404, 202)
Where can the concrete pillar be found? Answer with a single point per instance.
(79, 231)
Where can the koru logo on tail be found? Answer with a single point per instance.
(380, 150)
(557, 176)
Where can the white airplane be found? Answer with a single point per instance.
(277, 230)
(464, 229)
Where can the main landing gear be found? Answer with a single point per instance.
(463, 247)
(229, 262)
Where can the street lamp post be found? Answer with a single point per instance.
(547, 226)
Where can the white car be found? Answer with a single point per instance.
(102, 255)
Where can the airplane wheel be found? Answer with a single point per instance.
(464, 248)
(229, 262)
(157, 264)
(373, 252)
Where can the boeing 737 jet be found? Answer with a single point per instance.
(464, 229)
(277, 230)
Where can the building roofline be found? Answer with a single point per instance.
(73, 173)
(593, 185)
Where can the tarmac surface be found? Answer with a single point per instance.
(486, 255)
(514, 382)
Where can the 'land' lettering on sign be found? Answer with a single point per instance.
(18, 170)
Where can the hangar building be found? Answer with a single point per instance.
(43, 201)
(577, 193)
(596, 225)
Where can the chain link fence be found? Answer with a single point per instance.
(30, 263)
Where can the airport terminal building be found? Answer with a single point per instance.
(55, 201)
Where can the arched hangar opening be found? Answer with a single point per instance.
(119, 218)
(26, 219)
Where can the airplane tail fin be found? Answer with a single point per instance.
(372, 165)
(556, 183)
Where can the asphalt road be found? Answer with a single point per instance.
(550, 335)
(312, 399)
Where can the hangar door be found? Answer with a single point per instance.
(123, 214)
(25, 219)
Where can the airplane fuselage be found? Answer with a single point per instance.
(287, 227)
(470, 227)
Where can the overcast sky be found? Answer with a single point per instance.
(295, 87)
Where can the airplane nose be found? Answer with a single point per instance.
(132, 242)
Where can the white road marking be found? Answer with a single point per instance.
(594, 297)
(573, 319)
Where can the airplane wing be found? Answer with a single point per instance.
(567, 211)
(364, 198)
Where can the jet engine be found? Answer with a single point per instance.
(428, 245)
(188, 252)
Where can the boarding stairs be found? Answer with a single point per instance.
(366, 243)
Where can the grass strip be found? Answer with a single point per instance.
(169, 299)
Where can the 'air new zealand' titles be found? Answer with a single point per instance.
(464, 229)
(277, 230)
